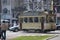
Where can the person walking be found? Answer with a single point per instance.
(4, 27)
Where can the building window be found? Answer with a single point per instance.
(58, 9)
(56, 2)
(36, 19)
(4, 1)
(5, 10)
(35, 5)
(47, 7)
(58, 20)
(8, 2)
(39, 5)
(30, 19)
(44, 1)
(31, 6)
(32, 0)
(25, 7)
(47, 4)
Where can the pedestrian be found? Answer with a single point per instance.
(4, 27)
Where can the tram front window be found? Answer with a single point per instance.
(36, 19)
(51, 19)
(25, 20)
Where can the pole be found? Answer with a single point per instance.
(42, 5)
(10, 14)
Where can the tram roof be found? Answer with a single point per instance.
(35, 14)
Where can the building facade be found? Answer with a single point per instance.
(7, 6)
(37, 6)
(12, 8)
(57, 10)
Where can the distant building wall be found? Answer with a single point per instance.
(58, 15)
(57, 10)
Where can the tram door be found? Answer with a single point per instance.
(42, 23)
(21, 20)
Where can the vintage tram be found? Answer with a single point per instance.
(42, 22)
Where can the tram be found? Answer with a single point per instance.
(43, 22)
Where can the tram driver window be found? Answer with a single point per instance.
(25, 20)
(51, 19)
(36, 19)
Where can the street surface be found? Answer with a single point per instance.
(56, 38)
(11, 34)
(56, 32)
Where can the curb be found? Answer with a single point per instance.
(52, 37)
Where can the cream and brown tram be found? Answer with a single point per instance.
(42, 23)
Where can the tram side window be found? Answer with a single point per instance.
(25, 20)
(21, 20)
(30, 19)
(42, 19)
(35, 19)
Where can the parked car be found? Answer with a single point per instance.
(58, 26)
(14, 28)
(4, 20)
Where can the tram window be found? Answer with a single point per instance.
(21, 20)
(25, 20)
(36, 19)
(30, 19)
(51, 19)
(42, 19)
